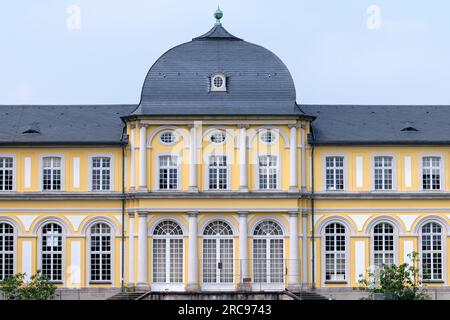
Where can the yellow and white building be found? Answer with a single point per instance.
(219, 181)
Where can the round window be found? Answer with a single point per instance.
(268, 136)
(218, 137)
(218, 82)
(167, 137)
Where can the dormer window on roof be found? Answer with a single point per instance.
(218, 82)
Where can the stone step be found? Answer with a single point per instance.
(126, 295)
(308, 295)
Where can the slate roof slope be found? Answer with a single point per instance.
(352, 124)
(62, 124)
(258, 82)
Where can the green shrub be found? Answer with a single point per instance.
(38, 288)
(395, 282)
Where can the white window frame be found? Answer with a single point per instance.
(383, 252)
(441, 168)
(222, 88)
(394, 172)
(324, 171)
(111, 171)
(214, 286)
(15, 244)
(275, 132)
(347, 261)
(443, 251)
(179, 175)
(89, 252)
(176, 137)
(206, 171)
(217, 131)
(276, 286)
(168, 286)
(14, 171)
(41, 171)
(63, 251)
(278, 168)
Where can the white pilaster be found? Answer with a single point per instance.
(293, 184)
(132, 157)
(193, 159)
(304, 249)
(142, 280)
(293, 279)
(243, 183)
(143, 158)
(131, 249)
(243, 245)
(192, 284)
(303, 158)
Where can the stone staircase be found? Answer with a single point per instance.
(126, 295)
(310, 295)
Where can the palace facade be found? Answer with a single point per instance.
(219, 181)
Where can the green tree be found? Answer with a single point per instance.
(38, 288)
(395, 282)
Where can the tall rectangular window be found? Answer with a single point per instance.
(6, 173)
(431, 173)
(51, 173)
(335, 250)
(218, 173)
(168, 173)
(268, 172)
(6, 250)
(383, 172)
(334, 173)
(101, 173)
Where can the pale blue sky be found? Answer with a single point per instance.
(333, 57)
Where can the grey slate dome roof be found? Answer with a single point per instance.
(257, 81)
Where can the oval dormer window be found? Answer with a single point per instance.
(218, 83)
(268, 137)
(167, 137)
(218, 137)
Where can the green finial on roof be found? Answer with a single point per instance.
(218, 15)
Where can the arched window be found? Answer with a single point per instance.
(218, 253)
(383, 244)
(432, 251)
(6, 250)
(168, 253)
(268, 253)
(101, 252)
(335, 251)
(52, 252)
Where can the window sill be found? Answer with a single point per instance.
(335, 282)
(100, 282)
(433, 281)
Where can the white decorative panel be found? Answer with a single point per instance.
(360, 220)
(27, 173)
(26, 221)
(408, 220)
(27, 259)
(408, 183)
(75, 262)
(408, 247)
(360, 259)
(76, 172)
(317, 218)
(359, 172)
(75, 220)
